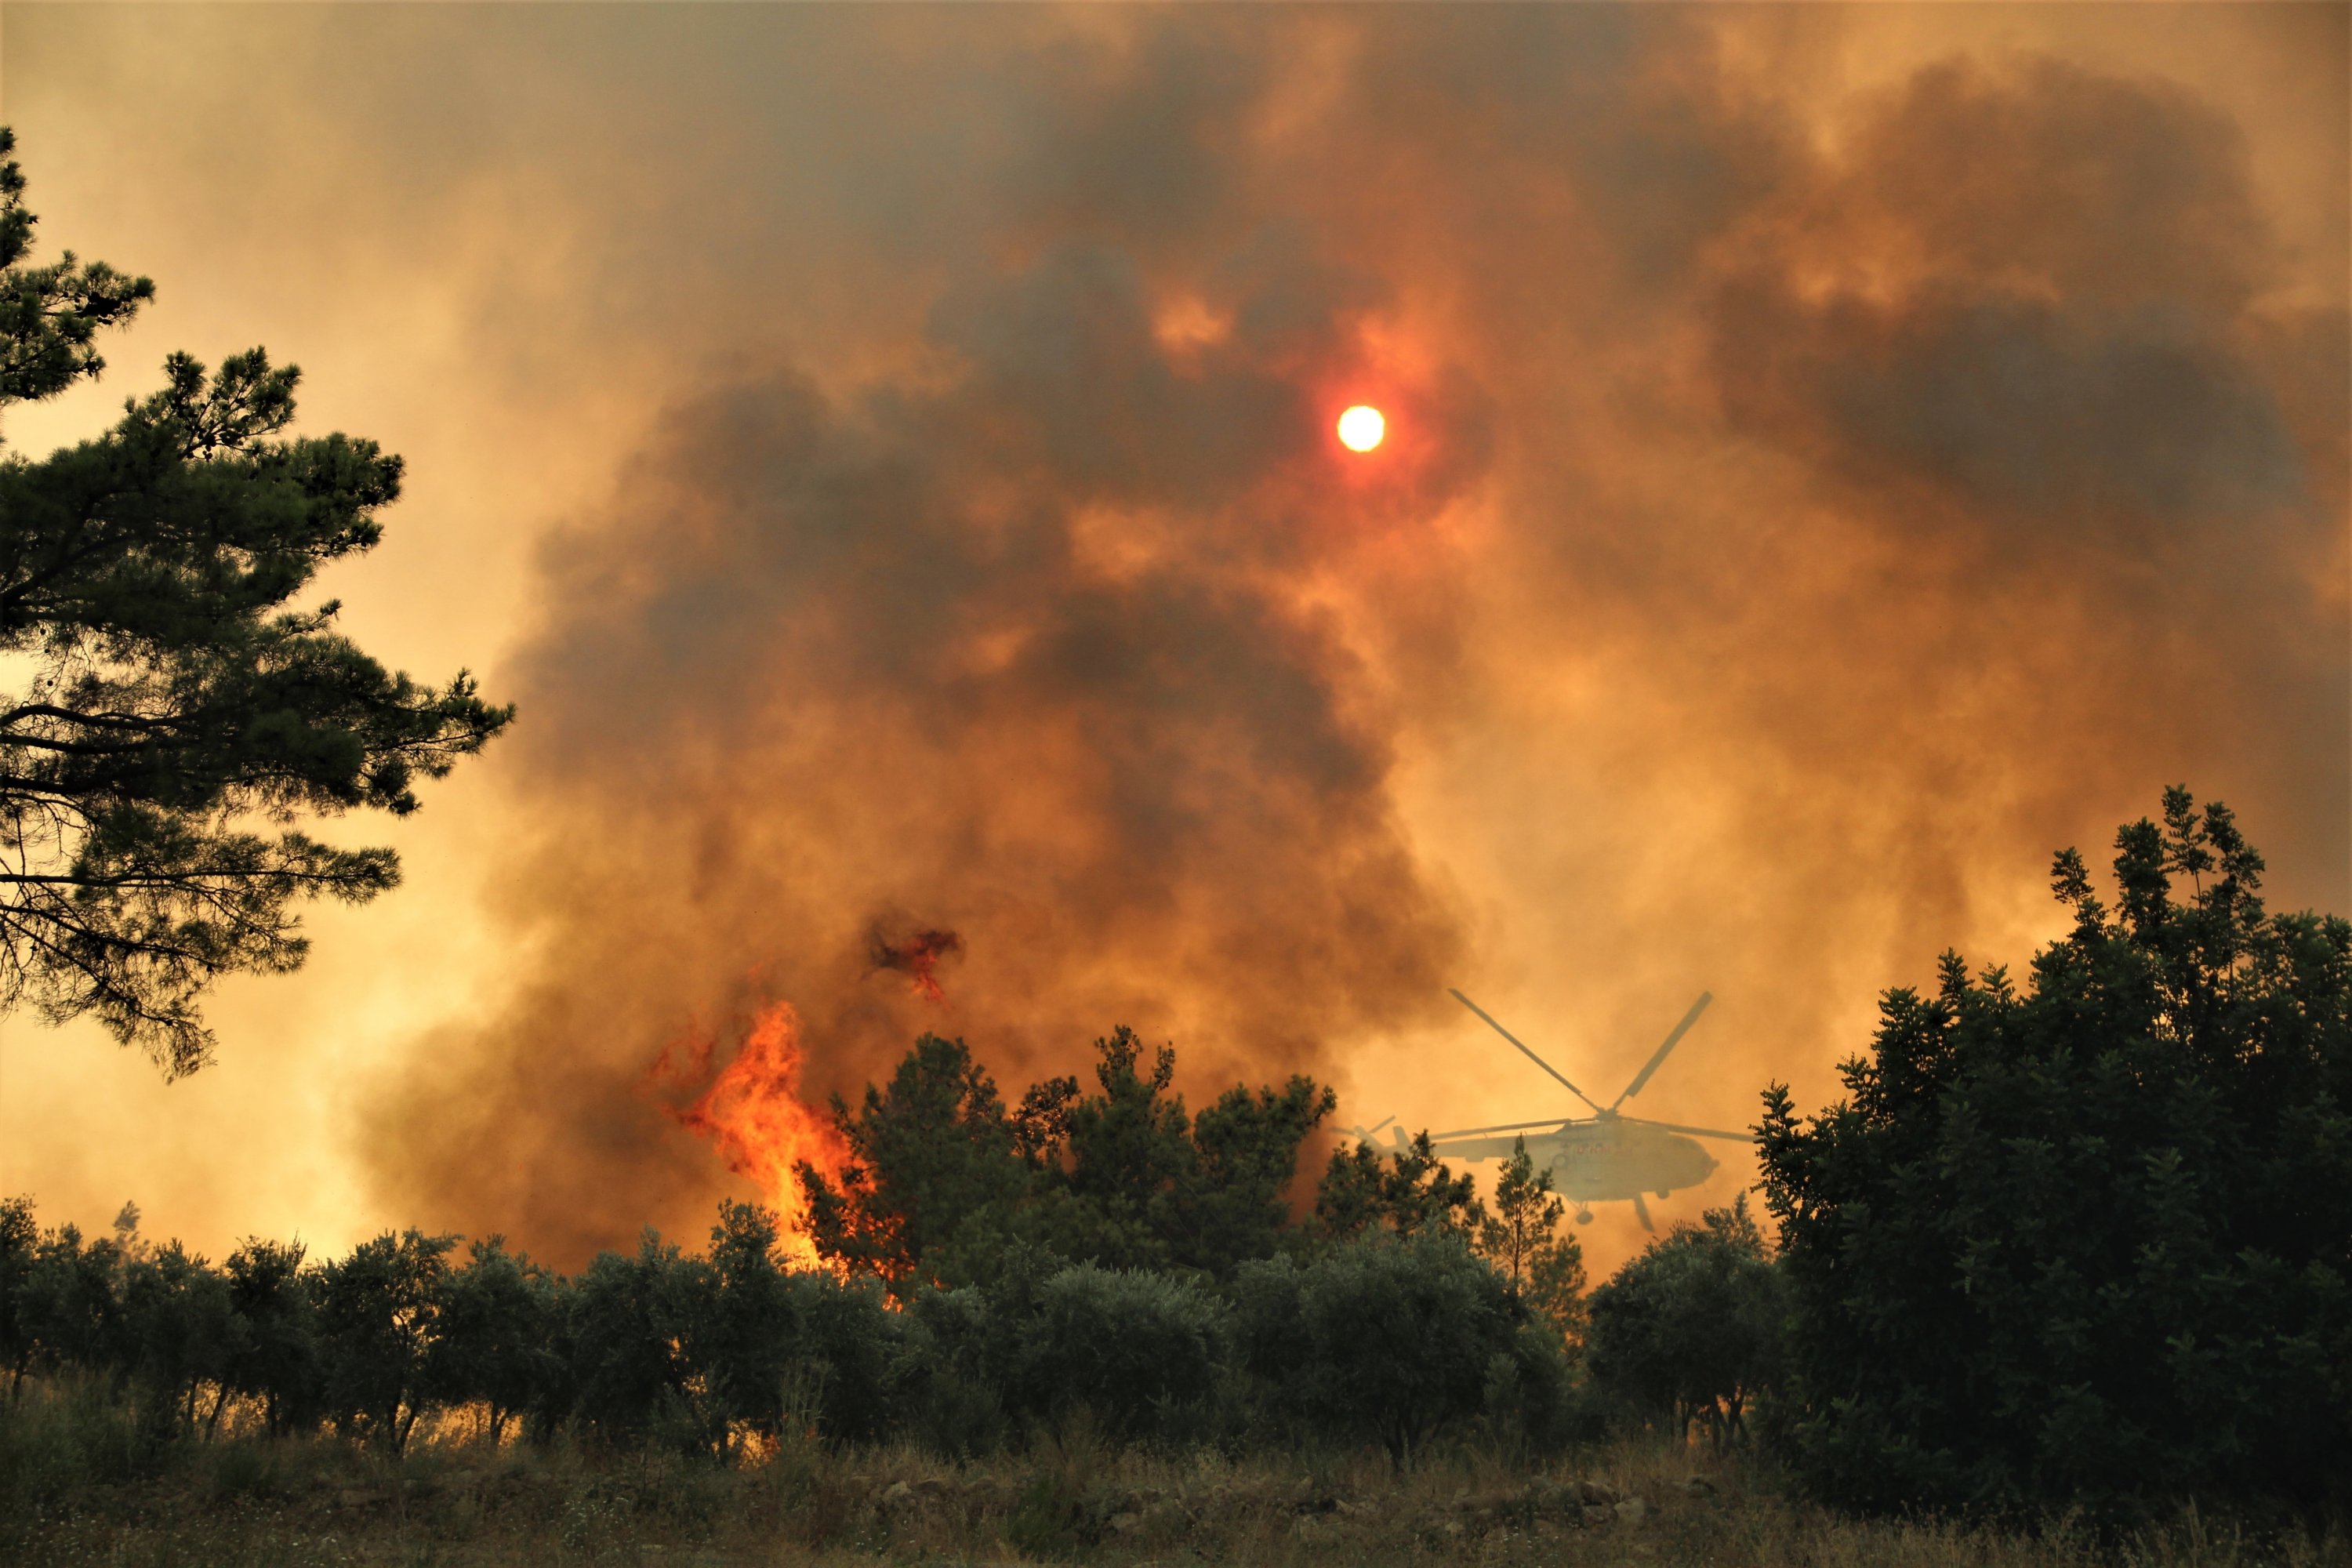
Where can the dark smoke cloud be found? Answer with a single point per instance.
(1033, 649)
(2022, 328)
(1789, 540)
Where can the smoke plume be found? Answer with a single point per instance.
(1807, 505)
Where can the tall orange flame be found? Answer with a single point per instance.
(753, 1114)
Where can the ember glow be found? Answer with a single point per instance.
(918, 957)
(753, 1115)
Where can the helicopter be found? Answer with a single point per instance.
(1605, 1157)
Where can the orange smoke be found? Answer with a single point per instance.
(753, 1114)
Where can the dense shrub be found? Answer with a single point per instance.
(2092, 1241)
(625, 1320)
(378, 1318)
(1692, 1329)
(1386, 1338)
(852, 1358)
(1129, 1348)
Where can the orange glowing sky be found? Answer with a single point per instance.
(1834, 458)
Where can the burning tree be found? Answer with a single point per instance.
(753, 1114)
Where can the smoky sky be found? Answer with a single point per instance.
(1828, 471)
(1076, 634)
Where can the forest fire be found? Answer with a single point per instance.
(753, 1114)
(917, 956)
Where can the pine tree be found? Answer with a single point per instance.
(178, 716)
(1407, 1191)
(1543, 1269)
(1524, 1215)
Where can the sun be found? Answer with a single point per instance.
(1362, 427)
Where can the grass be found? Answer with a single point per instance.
(82, 1483)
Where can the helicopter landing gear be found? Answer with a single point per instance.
(1584, 1216)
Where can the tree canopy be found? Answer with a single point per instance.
(942, 1177)
(2088, 1241)
(178, 714)
(1692, 1328)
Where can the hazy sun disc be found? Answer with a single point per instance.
(1362, 427)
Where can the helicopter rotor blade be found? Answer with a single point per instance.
(1510, 1127)
(1642, 1210)
(1660, 1055)
(1366, 1134)
(1692, 1132)
(1524, 1051)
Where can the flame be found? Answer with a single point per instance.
(753, 1114)
(916, 957)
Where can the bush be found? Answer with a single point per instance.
(1386, 1339)
(1691, 1329)
(850, 1356)
(2091, 1243)
(624, 1323)
(1133, 1349)
(77, 1432)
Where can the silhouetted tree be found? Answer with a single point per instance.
(850, 1356)
(1384, 1337)
(1524, 1218)
(1543, 1269)
(1405, 1192)
(176, 713)
(627, 1322)
(1692, 1328)
(2091, 1242)
(942, 1181)
(494, 1340)
(378, 1317)
(275, 1355)
(927, 1150)
(69, 1302)
(19, 1236)
(178, 1335)
(1126, 1156)
(1231, 1206)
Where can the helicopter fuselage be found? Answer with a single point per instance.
(1600, 1160)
